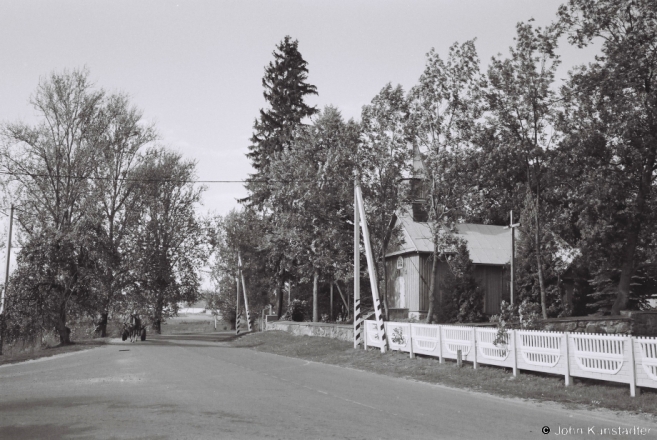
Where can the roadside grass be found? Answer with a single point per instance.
(584, 393)
(15, 356)
(82, 335)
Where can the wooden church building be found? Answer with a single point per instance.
(409, 266)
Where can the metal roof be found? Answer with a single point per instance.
(487, 244)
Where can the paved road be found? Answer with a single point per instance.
(196, 387)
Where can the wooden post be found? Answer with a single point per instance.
(441, 359)
(246, 299)
(344, 301)
(459, 359)
(246, 302)
(358, 319)
(371, 268)
(410, 340)
(2, 299)
(515, 352)
(513, 256)
(237, 310)
(567, 375)
(474, 347)
(634, 390)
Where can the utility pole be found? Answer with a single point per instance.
(358, 324)
(371, 268)
(513, 227)
(2, 298)
(246, 299)
(237, 310)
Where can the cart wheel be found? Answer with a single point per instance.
(143, 334)
(124, 335)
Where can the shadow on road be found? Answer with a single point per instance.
(49, 431)
(203, 340)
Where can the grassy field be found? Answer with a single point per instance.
(584, 393)
(193, 323)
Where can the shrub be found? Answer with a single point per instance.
(296, 311)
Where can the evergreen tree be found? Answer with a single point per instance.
(285, 89)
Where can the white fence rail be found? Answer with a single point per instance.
(624, 359)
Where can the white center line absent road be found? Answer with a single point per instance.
(190, 388)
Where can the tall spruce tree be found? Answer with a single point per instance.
(285, 90)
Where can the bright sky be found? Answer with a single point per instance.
(195, 67)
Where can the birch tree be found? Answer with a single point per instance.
(444, 109)
(522, 112)
(384, 156)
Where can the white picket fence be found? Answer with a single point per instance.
(624, 359)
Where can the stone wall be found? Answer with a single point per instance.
(629, 323)
(336, 331)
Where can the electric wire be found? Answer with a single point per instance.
(131, 179)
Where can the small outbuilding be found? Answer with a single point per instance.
(409, 266)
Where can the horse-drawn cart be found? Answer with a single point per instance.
(133, 328)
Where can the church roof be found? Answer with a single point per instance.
(487, 244)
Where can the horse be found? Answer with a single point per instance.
(134, 330)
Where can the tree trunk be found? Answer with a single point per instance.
(101, 328)
(279, 298)
(157, 321)
(60, 325)
(627, 270)
(629, 249)
(432, 285)
(539, 259)
(2, 331)
(537, 244)
(315, 305)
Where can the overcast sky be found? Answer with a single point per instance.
(195, 68)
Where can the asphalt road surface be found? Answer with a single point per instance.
(197, 387)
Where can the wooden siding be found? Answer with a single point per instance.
(402, 286)
(425, 280)
(494, 280)
(415, 277)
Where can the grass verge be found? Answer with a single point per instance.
(16, 356)
(584, 393)
(83, 337)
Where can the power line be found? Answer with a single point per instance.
(129, 179)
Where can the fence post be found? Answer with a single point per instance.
(441, 359)
(410, 340)
(567, 344)
(514, 335)
(459, 359)
(474, 347)
(634, 390)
